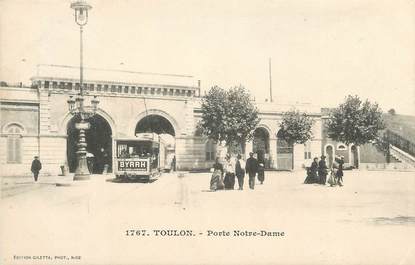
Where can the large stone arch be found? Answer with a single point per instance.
(63, 124)
(133, 123)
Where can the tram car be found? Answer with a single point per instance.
(139, 158)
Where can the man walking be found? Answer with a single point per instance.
(240, 172)
(251, 168)
(339, 173)
(36, 167)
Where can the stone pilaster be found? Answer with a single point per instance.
(44, 110)
(273, 152)
(248, 148)
(189, 119)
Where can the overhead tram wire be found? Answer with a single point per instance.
(113, 70)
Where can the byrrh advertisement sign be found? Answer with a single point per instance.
(133, 164)
(264, 132)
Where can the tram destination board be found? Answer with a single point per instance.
(133, 165)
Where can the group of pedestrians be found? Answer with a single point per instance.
(318, 171)
(223, 176)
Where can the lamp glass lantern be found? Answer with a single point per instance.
(71, 103)
(79, 102)
(94, 103)
(81, 8)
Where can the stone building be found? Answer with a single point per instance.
(35, 121)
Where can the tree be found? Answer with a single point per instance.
(382, 144)
(355, 122)
(296, 127)
(228, 116)
(392, 112)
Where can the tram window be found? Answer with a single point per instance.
(121, 150)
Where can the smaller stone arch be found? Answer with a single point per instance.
(265, 127)
(330, 153)
(341, 146)
(261, 144)
(136, 120)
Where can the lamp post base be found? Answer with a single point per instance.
(82, 171)
(81, 177)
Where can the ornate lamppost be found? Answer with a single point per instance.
(76, 106)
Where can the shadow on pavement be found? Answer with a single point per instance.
(127, 180)
(398, 220)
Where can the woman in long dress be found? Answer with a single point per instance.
(216, 182)
(229, 173)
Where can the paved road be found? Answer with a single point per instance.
(371, 220)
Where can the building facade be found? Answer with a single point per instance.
(35, 121)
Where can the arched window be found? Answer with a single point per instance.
(210, 149)
(341, 147)
(14, 143)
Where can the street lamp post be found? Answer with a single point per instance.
(76, 106)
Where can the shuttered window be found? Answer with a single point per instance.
(210, 149)
(307, 150)
(14, 144)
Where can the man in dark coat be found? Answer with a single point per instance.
(251, 168)
(36, 167)
(322, 170)
(103, 160)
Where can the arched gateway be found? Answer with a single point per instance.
(261, 145)
(99, 140)
(160, 125)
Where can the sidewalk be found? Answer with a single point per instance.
(13, 185)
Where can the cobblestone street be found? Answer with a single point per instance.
(371, 214)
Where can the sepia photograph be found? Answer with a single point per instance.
(207, 132)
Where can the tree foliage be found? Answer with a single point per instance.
(228, 115)
(392, 112)
(296, 127)
(355, 122)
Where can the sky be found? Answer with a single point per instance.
(321, 51)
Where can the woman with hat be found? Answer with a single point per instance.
(313, 170)
(216, 182)
(322, 170)
(229, 173)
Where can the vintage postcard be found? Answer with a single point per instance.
(207, 132)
